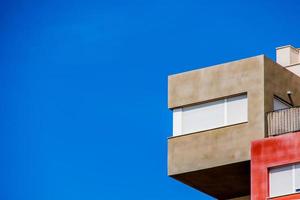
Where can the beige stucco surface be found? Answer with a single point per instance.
(215, 82)
(279, 80)
(223, 145)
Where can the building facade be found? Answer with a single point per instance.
(223, 113)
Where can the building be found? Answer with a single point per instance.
(230, 115)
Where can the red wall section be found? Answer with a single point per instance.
(271, 152)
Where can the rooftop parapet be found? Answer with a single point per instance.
(289, 57)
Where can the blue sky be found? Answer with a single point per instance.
(84, 88)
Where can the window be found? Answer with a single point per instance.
(284, 180)
(279, 104)
(210, 115)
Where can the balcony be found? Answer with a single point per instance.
(283, 121)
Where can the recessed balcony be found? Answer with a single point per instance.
(283, 121)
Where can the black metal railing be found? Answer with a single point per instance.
(283, 121)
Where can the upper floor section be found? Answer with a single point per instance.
(229, 94)
(217, 112)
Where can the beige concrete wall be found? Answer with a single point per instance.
(214, 82)
(279, 80)
(220, 146)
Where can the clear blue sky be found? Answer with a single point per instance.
(83, 88)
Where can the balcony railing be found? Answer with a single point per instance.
(283, 121)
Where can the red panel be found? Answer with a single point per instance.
(271, 152)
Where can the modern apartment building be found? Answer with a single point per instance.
(235, 128)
